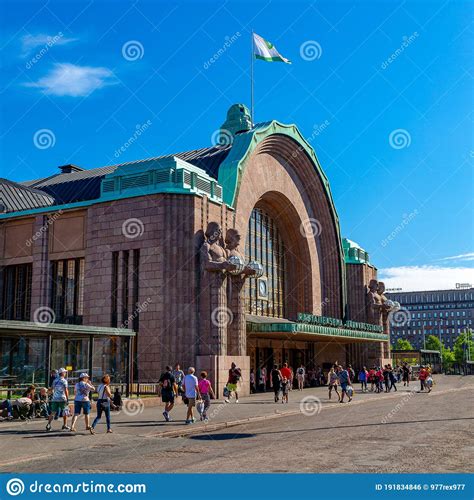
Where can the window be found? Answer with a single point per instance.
(67, 295)
(264, 244)
(16, 293)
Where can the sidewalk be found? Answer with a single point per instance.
(138, 418)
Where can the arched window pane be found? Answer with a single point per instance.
(265, 245)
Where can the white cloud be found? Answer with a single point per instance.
(30, 42)
(467, 257)
(67, 79)
(417, 278)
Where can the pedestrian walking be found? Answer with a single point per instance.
(344, 382)
(285, 388)
(178, 375)
(205, 389)
(286, 372)
(393, 378)
(253, 388)
(300, 374)
(168, 391)
(104, 404)
(332, 383)
(386, 378)
(82, 402)
(234, 377)
(59, 401)
(191, 393)
(262, 379)
(406, 374)
(422, 376)
(275, 382)
(363, 375)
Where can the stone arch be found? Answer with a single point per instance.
(280, 175)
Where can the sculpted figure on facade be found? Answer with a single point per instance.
(215, 315)
(373, 304)
(237, 336)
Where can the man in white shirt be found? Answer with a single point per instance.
(191, 392)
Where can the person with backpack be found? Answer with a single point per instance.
(275, 382)
(300, 374)
(103, 404)
(168, 391)
(345, 382)
(234, 377)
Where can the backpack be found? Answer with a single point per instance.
(300, 371)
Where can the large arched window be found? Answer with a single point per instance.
(265, 296)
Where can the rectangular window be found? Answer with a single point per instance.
(136, 289)
(125, 291)
(16, 293)
(67, 290)
(114, 291)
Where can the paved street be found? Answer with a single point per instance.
(402, 432)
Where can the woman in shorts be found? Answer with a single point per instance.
(332, 383)
(82, 401)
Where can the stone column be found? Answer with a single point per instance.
(237, 328)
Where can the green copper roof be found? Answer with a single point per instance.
(166, 175)
(353, 253)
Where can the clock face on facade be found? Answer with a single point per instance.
(262, 288)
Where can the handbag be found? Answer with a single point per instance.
(185, 400)
(226, 392)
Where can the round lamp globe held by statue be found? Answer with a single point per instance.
(238, 263)
(390, 304)
(257, 267)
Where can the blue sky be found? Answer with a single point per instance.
(381, 89)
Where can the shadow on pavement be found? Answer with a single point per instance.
(221, 437)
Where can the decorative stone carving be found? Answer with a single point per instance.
(373, 304)
(215, 314)
(237, 335)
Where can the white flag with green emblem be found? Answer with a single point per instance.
(263, 49)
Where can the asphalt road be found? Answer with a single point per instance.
(413, 432)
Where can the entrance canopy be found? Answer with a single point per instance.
(282, 328)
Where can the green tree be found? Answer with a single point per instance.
(463, 348)
(448, 358)
(433, 343)
(403, 345)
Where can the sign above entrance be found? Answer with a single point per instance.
(312, 319)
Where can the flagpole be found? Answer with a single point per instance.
(251, 79)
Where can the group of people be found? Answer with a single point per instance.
(194, 392)
(53, 403)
